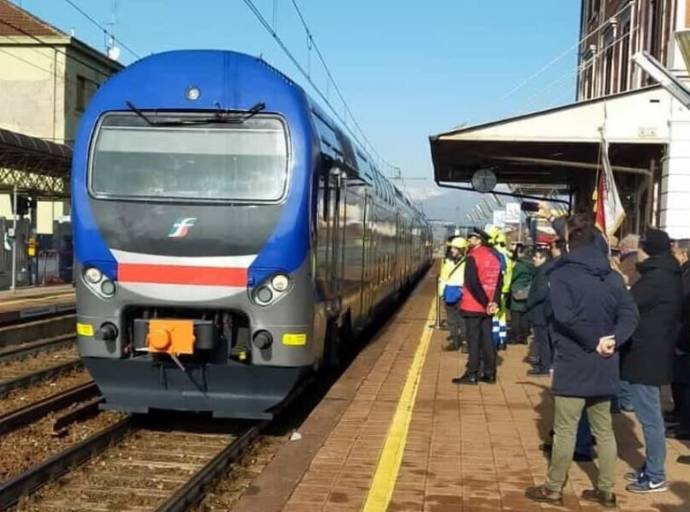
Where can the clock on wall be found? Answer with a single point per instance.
(484, 180)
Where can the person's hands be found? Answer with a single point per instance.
(607, 346)
(492, 308)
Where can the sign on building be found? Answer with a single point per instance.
(513, 213)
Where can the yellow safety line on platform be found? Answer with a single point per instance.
(381, 490)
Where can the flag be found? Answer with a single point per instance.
(608, 209)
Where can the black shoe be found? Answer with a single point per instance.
(489, 378)
(683, 459)
(603, 498)
(531, 360)
(451, 347)
(672, 417)
(543, 495)
(678, 434)
(464, 348)
(538, 372)
(503, 346)
(546, 447)
(468, 378)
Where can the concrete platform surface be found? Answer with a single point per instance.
(470, 449)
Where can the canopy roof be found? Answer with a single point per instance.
(552, 146)
(34, 165)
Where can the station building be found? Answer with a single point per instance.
(559, 149)
(46, 80)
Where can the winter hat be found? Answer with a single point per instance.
(655, 241)
(479, 233)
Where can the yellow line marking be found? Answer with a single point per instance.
(383, 484)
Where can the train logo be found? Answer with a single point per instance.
(180, 228)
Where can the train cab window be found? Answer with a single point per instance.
(180, 160)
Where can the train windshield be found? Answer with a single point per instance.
(244, 161)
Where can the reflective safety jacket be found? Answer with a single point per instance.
(452, 273)
(508, 267)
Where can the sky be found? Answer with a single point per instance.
(407, 68)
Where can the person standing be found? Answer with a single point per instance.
(454, 276)
(536, 312)
(681, 372)
(593, 315)
(647, 361)
(479, 303)
(500, 320)
(523, 272)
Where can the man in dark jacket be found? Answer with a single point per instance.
(536, 311)
(647, 361)
(593, 314)
(681, 370)
(482, 294)
(681, 374)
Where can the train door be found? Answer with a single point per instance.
(368, 256)
(329, 251)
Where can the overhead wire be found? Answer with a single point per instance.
(55, 47)
(100, 26)
(337, 89)
(564, 54)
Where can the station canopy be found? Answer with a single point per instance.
(556, 147)
(34, 165)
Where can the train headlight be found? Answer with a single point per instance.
(108, 288)
(93, 275)
(264, 295)
(280, 282)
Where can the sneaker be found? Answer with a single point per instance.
(634, 476)
(468, 378)
(543, 495)
(603, 498)
(647, 486)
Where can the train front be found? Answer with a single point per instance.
(190, 188)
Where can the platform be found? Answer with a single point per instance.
(35, 301)
(467, 449)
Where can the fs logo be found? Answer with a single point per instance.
(180, 228)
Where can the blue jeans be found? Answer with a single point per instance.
(625, 396)
(647, 404)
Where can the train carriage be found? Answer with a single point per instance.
(226, 229)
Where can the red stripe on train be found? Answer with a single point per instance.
(177, 274)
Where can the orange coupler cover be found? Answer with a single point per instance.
(171, 336)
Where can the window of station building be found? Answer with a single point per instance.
(85, 89)
(609, 61)
(652, 28)
(624, 54)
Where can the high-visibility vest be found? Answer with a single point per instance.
(452, 272)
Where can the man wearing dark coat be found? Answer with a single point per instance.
(593, 315)
(647, 361)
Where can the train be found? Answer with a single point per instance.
(229, 236)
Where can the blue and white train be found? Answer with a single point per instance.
(228, 235)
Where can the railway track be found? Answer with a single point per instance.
(23, 416)
(133, 468)
(29, 368)
(136, 465)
